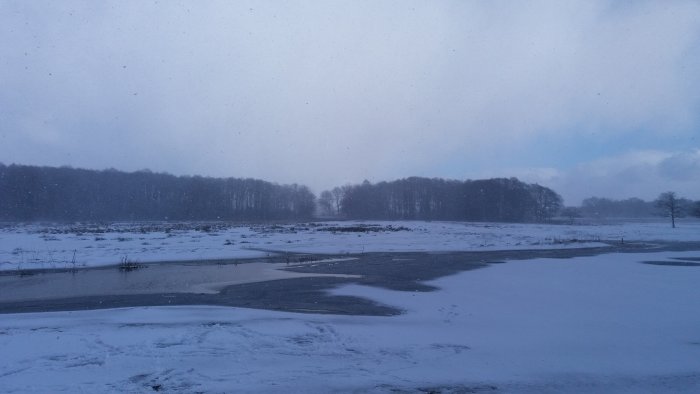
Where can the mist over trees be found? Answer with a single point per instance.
(595, 207)
(668, 204)
(66, 194)
(501, 199)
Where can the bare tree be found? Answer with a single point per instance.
(671, 206)
(338, 195)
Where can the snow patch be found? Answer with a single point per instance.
(26, 247)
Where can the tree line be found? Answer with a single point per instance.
(596, 207)
(33, 193)
(66, 194)
(415, 198)
(667, 204)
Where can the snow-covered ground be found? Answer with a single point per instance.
(35, 246)
(583, 325)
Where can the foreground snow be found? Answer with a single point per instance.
(37, 247)
(586, 325)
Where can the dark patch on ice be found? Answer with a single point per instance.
(673, 263)
(165, 345)
(129, 266)
(169, 380)
(687, 258)
(397, 271)
(28, 272)
(13, 371)
(447, 389)
(457, 349)
(139, 377)
(76, 361)
(303, 339)
(304, 295)
(363, 228)
(80, 362)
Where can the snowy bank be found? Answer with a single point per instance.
(41, 247)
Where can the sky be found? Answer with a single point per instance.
(591, 98)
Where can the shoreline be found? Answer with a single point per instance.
(310, 293)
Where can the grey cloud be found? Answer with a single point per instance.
(643, 174)
(682, 166)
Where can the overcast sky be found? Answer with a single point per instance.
(587, 97)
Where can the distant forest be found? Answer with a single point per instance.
(631, 208)
(66, 194)
(31, 193)
(500, 200)
(606, 208)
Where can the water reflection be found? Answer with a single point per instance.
(146, 279)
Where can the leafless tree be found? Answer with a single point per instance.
(338, 194)
(671, 206)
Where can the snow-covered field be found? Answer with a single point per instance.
(583, 325)
(36, 247)
(588, 324)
